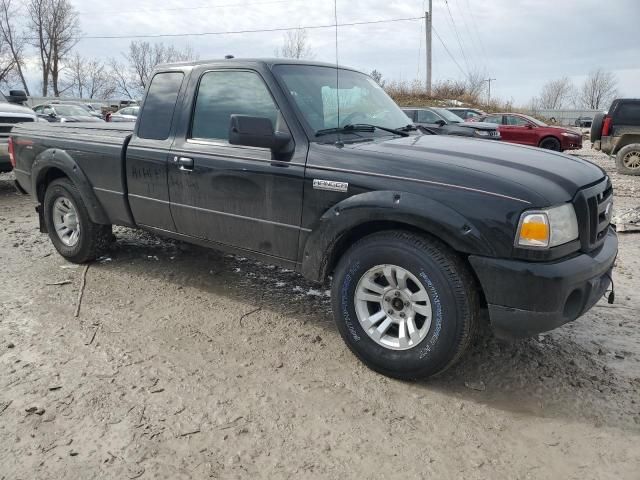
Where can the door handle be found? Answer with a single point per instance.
(184, 163)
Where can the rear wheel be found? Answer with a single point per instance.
(70, 228)
(628, 159)
(550, 143)
(405, 304)
(596, 127)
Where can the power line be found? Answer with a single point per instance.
(176, 9)
(475, 27)
(236, 32)
(468, 30)
(455, 30)
(447, 50)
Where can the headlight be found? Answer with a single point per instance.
(482, 133)
(547, 228)
(570, 134)
(63, 120)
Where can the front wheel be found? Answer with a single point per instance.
(405, 304)
(628, 159)
(550, 143)
(70, 228)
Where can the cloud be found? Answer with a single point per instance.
(521, 43)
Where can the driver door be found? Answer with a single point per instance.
(230, 194)
(430, 119)
(520, 130)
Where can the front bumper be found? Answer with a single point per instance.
(526, 298)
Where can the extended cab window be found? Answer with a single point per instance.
(225, 93)
(159, 104)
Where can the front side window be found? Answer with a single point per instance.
(516, 121)
(427, 116)
(329, 98)
(159, 104)
(225, 93)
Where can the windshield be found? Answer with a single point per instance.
(359, 98)
(70, 110)
(447, 115)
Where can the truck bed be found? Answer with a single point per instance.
(96, 147)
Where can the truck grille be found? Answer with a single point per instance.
(594, 206)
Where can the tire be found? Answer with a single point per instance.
(596, 127)
(64, 208)
(628, 159)
(550, 143)
(433, 269)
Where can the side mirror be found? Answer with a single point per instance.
(51, 115)
(529, 126)
(441, 123)
(256, 132)
(17, 96)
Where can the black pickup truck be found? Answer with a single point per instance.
(315, 168)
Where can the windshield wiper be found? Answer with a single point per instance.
(360, 127)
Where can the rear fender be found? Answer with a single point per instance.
(624, 140)
(380, 208)
(55, 161)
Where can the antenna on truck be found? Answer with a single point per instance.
(335, 16)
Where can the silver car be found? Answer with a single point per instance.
(127, 114)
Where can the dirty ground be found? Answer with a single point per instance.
(186, 363)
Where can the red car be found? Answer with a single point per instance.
(526, 130)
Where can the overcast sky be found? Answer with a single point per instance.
(521, 43)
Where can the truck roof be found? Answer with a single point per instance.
(267, 62)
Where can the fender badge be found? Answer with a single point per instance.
(330, 185)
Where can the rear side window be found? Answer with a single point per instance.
(494, 119)
(159, 104)
(628, 113)
(516, 121)
(225, 93)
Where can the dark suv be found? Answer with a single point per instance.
(441, 121)
(618, 133)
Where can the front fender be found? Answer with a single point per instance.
(412, 210)
(60, 160)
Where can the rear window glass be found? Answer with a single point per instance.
(628, 113)
(159, 104)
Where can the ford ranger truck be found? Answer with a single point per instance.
(313, 167)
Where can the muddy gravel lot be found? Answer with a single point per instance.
(187, 363)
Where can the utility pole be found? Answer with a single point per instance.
(489, 80)
(428, 22)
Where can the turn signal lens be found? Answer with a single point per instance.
(534, 230)
(11, 151)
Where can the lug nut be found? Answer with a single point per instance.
(406, 304)
(387, 299)
(397, 294)
(390, 312)
(401, 314)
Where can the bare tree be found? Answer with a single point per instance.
(132, 77)
(476, 85)
(598, 90)
(296, 45)
(55, 27)
(87, 78)
(555, 94)
(377, 77)
(14, 40)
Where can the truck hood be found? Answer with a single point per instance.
(10, 108)
(539, 177)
